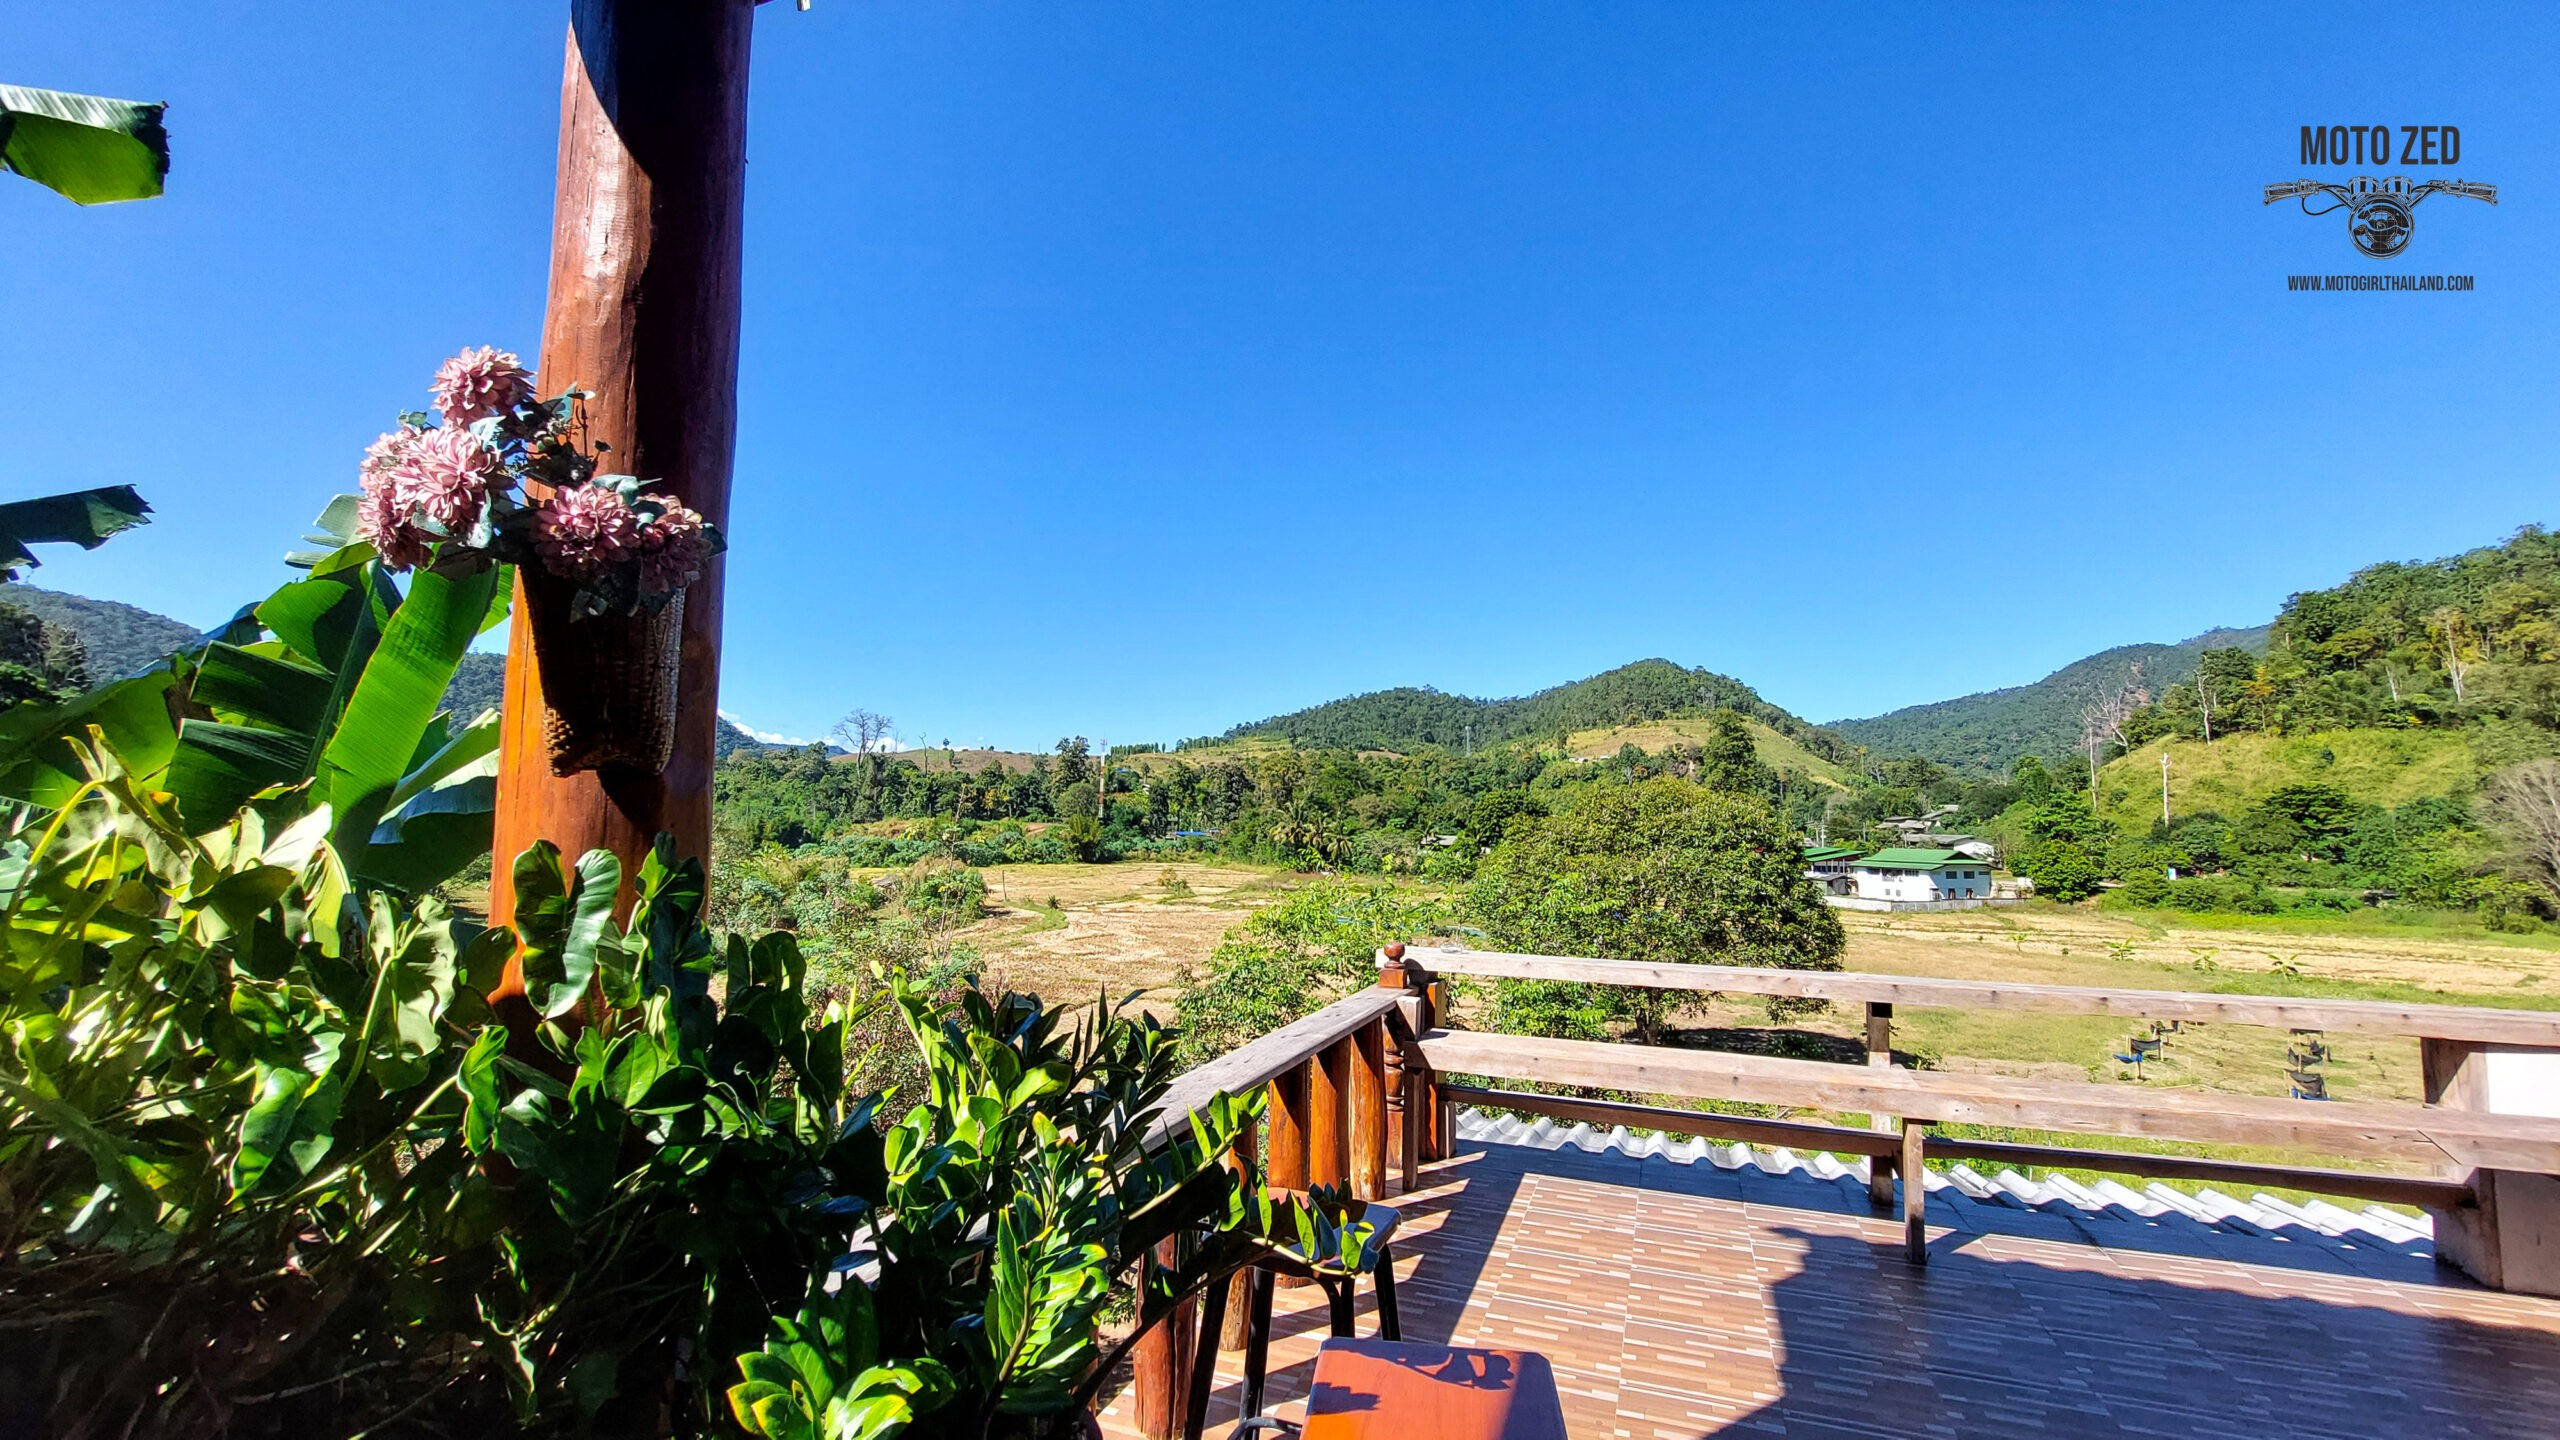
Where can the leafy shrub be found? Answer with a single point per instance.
(2061, 870)
(943, 893)
(1296, 957)
(1662, 870)
(271, 1165)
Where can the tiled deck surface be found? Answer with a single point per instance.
(1678, 1299)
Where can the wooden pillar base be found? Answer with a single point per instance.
(2510, 1238)
(1915, 1192)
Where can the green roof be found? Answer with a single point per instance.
(1827, 852)
(1906, 859)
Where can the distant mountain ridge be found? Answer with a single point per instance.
(1411, 717)
(120, 638)
(1984, 732)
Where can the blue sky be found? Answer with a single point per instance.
(1133, 370)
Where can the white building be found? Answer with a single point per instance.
(1922, 875)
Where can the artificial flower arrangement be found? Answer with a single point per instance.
(461, 483)
(605, 561)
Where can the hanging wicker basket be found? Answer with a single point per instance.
(608, 681)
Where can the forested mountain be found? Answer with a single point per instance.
(1982, 734)
(119, 638)
(1410, 718)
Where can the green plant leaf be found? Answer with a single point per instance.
(217, 767)
(484, 1094)
(562, 921)
(37, 760)
(249, 687)
(86, 148)
(402, 688)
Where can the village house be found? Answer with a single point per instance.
(1907, 875)
(1833, 867)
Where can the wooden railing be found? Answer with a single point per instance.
(2485, 1140)
(1341, 1094)
(1366, 1074)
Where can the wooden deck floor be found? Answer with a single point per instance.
(1678, 1300)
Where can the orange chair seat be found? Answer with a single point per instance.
(1381, 1390)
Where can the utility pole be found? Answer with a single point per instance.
(2164, 782)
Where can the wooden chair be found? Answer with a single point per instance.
(1340, 1280)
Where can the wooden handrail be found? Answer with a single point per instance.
(2432, 1135)
(2476, 1024)
(1261, 1061)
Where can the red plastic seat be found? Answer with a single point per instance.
(1381, 1390)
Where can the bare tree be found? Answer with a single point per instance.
(865, 733)
(2451, 631)
(2102, 723)
(2523, 805)
(2204, 702)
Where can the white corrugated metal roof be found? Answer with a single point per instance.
(2261, 1214)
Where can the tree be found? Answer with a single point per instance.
(1073, 767)
(866, 733)
(2522, 803)
(2034, 782)
(1661, 870)
(2220, 675)
(2455, 645)
(2102, 721)
(2062, 871)
(1730, 762)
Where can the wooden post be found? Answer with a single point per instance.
(1284, 1155)
(1915, 1192)
(1880, 1053)
(1160, 1365)
(1287, 1144)
(1391, 976)
(646, 237)
(1329, 1114)
(2508, 1237)
(1369, 1111)
(1233, 1321)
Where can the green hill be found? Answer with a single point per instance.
(1982, 734)
(2374, 767)
(119, 638)
(1410, 718)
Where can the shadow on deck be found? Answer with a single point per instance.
(1678, 1299)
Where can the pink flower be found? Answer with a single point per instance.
(584, 532)
(445, 476)
(480, 383)
(673, 549)
(384, 455)
(384, 521)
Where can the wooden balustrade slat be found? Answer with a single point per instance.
(2539, 1028)
(1259, 1062)
(2431, 1135)
(1329, 1114)
(1369, 1111)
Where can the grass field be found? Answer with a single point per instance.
(1067, 931)
(2384, 767)
(1775, 750)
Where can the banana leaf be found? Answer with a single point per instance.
(376, 738)
(86, 518)
(86, 148)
